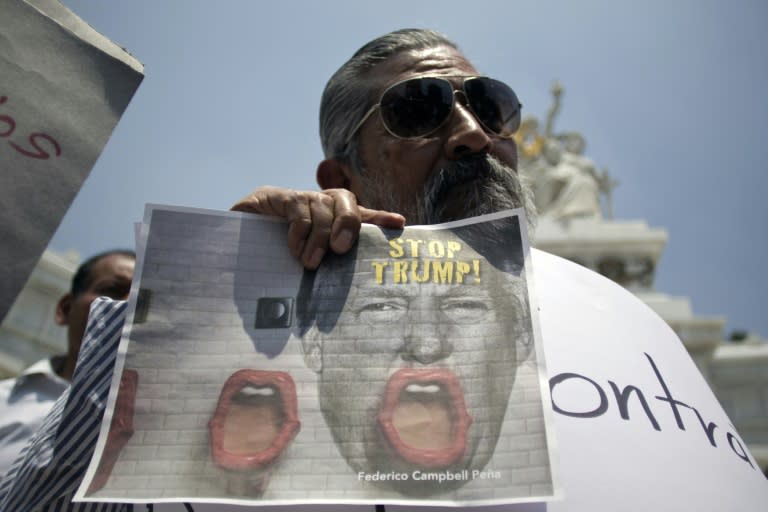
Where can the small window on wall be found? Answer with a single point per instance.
(142, 306)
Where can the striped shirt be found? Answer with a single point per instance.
(49, 469)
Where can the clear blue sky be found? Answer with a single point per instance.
(669, 94)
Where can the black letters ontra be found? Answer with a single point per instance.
(622, 397)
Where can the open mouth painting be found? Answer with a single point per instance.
(424, 418)
(255, 420)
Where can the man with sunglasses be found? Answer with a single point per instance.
(411, 132)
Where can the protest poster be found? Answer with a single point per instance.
(636, 426)
(408, 371)
(63, 89)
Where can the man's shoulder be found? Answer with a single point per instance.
(6, 387)
(38, 384)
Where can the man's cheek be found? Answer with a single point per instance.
(506, 152)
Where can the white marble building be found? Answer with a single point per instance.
(29, 331)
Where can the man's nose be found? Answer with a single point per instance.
(466, 135)
(425, 349)
(425, 342)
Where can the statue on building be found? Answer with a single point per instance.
(565, 183)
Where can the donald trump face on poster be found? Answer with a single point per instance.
(416, 337)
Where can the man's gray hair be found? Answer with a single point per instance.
(349, 94)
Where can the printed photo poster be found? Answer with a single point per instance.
(407, 371)
(63, 88)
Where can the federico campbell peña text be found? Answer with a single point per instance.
(435, 476)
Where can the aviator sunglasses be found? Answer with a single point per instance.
(418, 106)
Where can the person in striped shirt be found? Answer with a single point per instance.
(26, 400)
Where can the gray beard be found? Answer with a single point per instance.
(470, 186)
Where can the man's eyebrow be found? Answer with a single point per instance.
(112, 278)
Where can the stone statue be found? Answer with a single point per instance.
(576, 192)
(565, 183)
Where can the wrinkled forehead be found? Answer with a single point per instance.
(112, 265)
(436, 61)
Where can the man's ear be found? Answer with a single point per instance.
(333, 174)
(312, 348)
(63, 308)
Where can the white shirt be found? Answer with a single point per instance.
(24, 403)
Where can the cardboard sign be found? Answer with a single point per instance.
(63, 87)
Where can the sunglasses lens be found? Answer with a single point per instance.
(495, 104)
(416, 107)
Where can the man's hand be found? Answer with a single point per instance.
(317, 220)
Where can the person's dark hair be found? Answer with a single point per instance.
(349, 94)
(83, 275)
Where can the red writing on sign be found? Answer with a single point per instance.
(40, 145)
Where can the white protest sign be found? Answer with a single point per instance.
(63, 88)
(639, 429)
